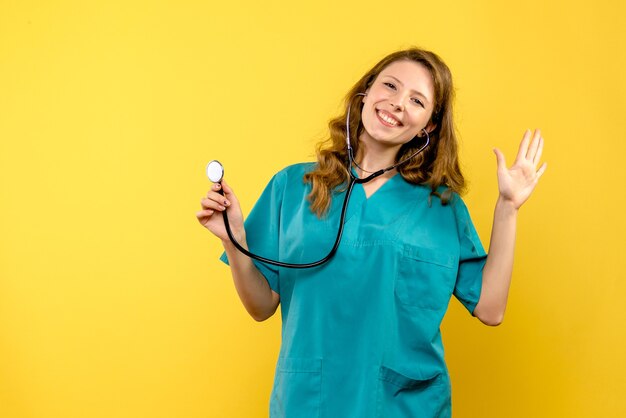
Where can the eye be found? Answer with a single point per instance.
(390, 85)
(417, 102)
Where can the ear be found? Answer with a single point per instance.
(430, 127)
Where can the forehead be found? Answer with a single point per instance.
(412, 75)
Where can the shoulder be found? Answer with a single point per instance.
(457, 203)
(442, 197)
(298, 168)
(290, 178)
(294, 172)
(453, 201)
(460, 211)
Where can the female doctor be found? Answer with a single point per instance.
(360, 333)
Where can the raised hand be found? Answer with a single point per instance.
(211, 214)
(517, 183)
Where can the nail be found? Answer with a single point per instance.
(226, 202)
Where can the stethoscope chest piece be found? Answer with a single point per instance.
(215, 171)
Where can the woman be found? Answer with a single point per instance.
(360, 334)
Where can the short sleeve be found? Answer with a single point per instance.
(472, 258)
(262, 229)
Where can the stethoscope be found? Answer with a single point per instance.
(215, 173)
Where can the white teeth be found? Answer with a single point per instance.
(388, 119)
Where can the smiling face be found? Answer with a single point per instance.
(398, 105)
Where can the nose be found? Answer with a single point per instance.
(397, 101)
(399, 106)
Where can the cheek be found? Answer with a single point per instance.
(366, 121)
(376, 93)
(367, 114)
(420, 118)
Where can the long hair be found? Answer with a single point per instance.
(436, 166)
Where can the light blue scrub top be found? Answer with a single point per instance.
(360, 334)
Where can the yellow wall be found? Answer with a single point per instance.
(112, 300)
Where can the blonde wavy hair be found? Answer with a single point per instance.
(436, 166)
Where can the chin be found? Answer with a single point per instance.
(385, 139)
(389, 143)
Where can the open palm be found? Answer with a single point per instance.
(517, 183)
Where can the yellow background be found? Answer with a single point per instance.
(112, 300)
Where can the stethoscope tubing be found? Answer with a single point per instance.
(346, 200)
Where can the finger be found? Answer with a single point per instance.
(219, 198)
(500, 159)
(217, 187)
(532, 149)
(211, 204)
(541, 170)
(214, 189)
(523, 146)
(205, 213)
(539, 152)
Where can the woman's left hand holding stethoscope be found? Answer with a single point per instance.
(214, 204)
(517, 183)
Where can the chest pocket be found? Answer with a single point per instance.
(426, 278)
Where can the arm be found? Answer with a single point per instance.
(254, 291)
(515, 185)
(259, 300)
(499, 266)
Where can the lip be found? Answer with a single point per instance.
(388, 115)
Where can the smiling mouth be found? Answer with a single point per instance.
(387, 119)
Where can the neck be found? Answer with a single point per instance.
(373, 156)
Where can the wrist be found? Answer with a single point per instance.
(241, 240)
(506, 207)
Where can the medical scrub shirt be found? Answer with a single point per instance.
(360, 334)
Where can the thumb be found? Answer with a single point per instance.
(500, 159)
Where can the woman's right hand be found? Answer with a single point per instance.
(211, 216)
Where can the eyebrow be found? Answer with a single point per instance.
(413, 91)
